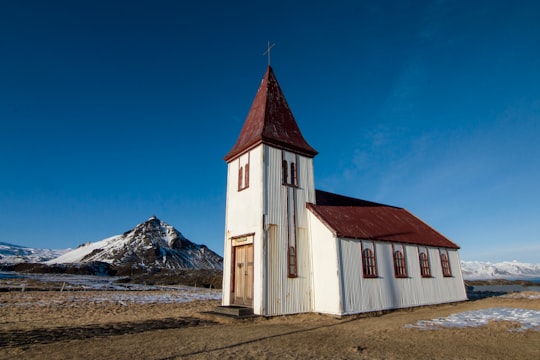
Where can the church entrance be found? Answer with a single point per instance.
(243, 275)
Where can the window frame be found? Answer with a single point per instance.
(246, 175)
(425, 266)
(294, 178)
(284, 172)
(400, 262)
(289, 169)
(243, 173)
(445, 263)
(240, 177)
(369, 260)
(292, 262)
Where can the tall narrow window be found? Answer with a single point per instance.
(400, 267)
(243, 172)
(240, 178)
(293, 174)
(285, 171)
(423, 257)
(445, 263)
(292, 262)
(246, 175)
(368, 263)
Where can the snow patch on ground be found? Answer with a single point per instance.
(529, 319)
(123, 298)
(522, 295)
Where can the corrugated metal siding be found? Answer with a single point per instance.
(287, 295)
(388, 292)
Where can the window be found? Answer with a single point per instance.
(285, 172)
(289, 172)
(425, 269)
(445, 263)
(246, 176)
(400, 267)
(243, 172)
(240, 178)
(293, 174)
(292, 262)
(368, 263)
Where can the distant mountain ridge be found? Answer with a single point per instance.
(151, 245)
(479, 270)
(164, 245)
(15, 254)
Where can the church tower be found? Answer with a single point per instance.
(270, 179)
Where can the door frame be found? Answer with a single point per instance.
(236, 242)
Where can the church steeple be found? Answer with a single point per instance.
(271, 122)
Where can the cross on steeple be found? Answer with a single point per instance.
(267, 52)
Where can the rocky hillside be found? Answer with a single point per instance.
(153, 245)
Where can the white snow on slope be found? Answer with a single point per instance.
(79, 253)
(476, 270)
(15, 254)
(529, 319)
(152, 244)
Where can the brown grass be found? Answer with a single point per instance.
(57, 325)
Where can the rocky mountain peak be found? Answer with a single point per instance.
(153, 244)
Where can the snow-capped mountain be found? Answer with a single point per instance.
(153, 244)
(478, 270)
(15, 254)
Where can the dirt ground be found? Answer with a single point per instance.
(85, 325)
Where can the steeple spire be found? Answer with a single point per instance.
(270, 121)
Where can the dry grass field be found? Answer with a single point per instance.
(102, 324)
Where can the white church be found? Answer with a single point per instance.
(290, 248)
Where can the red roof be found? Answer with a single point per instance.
(360, 219)
(270, 121)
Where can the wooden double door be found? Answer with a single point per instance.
(243, 275)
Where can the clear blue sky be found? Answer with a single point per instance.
(114, 111)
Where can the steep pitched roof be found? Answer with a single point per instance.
(270, 121)
(360, 219)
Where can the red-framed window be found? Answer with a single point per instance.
(400, 266)
(246, 175)
(240, 178)
(423, 257)
(293, 174)
(291, 256)
(285, 172)
(289, 170)
(243, 173)
(445, 263)
(369, 265)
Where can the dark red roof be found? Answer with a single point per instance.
(360, 219)
(270, 121)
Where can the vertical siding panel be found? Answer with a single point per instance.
(288, 295)
(350, 249)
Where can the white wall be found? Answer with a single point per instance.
(388, 292)
(326, 286)
(243, 215)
